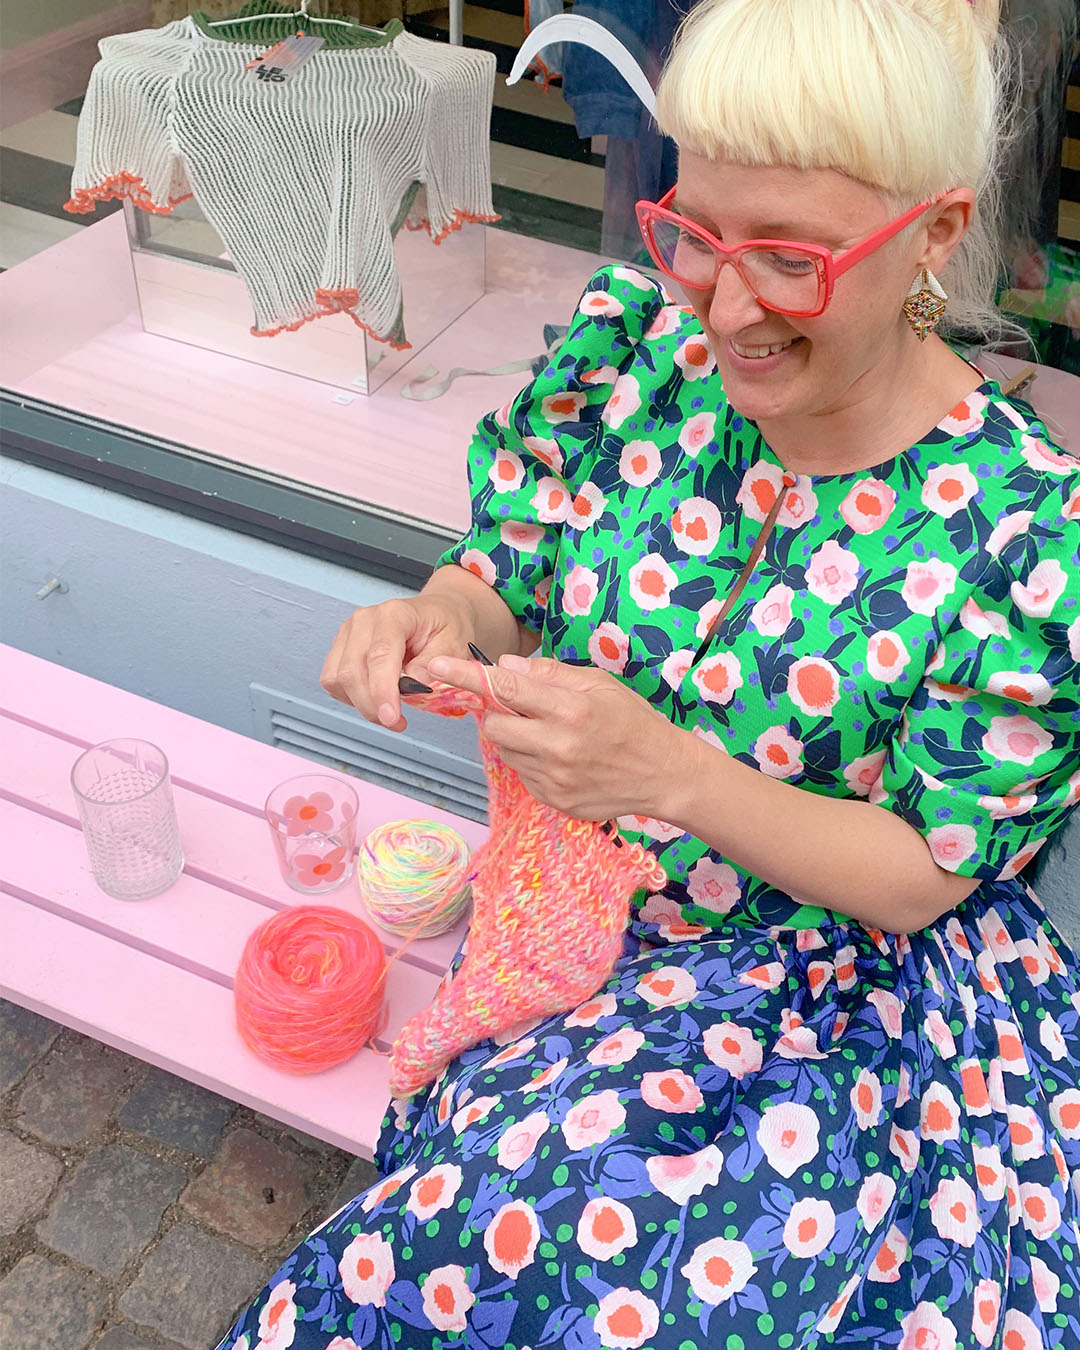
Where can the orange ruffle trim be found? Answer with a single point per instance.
(460, 218)
(332, 302)
(120, 185)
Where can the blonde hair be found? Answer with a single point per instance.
(904, 95)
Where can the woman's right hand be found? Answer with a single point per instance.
(374, 646)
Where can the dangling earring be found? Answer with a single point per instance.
(925, 304)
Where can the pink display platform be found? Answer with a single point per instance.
(154, 977)
(73, 337)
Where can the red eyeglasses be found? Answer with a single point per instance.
(788, 277)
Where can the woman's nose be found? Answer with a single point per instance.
(733, 305)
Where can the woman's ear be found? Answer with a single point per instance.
(948, 221)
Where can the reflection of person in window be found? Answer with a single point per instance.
(833, 1089)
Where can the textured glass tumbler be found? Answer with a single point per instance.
(312, 819)
(129, 822)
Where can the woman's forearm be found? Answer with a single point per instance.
(497, 630)
(858, 859)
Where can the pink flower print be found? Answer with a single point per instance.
(667, 986)
(515, 1050)
(1044, 457)
(1065, 1113)
(694, 358)
(891, 1011)
(660, 830)
(868, 505)
(586, 508)
(580, 591)
(788, 1135)
(968, 416)
(757, 492)
(717, 677)
(308, 815)
(769, 976)
(951, 845)
(799, 1043)
(875, 1197)
(1071, 509)
(518, 1142)
(697, 432)
(671, 1091)
(599, 302)
(1008, 527)
(927, 1328)
(546, 1078)
(1073, 634)
(620, 1047)
(551, 501)
(471, 1113)
(367, 1270)
(1040, 593)
(589, 1013)
(713, 885)
(520, 537)
(940, 1114)
(639, 463)
(800, 504)
(338, 1343)
(510, 1239)
(609, 647)
(1010, 1057)
(866, 1099)
(506, 472)
(948, 488)
(1019, 861)
(634, 278)
(651, 581)
(958, 938)
(778, 753)
(719, 1269)
(593, 1120)
(828, 1324)
(626, 1319)
(681, 1176)
(939, 1034)
(625, 400)
(997, 935)
(1036, 966)
(1025, 1134)
(675, 666)
(886, 656)
(477, 562)
(1020, 1332)
(1052, 1039)
(447, 1297)
(1039, 1210)
(1000, 808)
(602, 375)
(546, 451)
(926, 584)
(771, 615)
(732, 1047)
(434, 1191)
(862, 773)
(277, 1320)
(562, 407)
(606, 1228)
(1016, 740)
(954, 1212)
(833, 573)
(810, 1227)
(989, 1173)
(985, 1312)
(385, 1189)
(982, 623)
(318, 869)
(813, 686)
(891, 1255)
(695, 526)
(1046, 1285)
(904, 1145)
(665, 323)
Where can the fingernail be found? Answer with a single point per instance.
(387, 715)
(439, 665)
(516, 663)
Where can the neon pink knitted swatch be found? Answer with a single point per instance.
(551, 900)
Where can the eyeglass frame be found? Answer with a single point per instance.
(829, 265)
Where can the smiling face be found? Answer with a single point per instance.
(775, 366)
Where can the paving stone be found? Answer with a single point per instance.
(48, 1306)
(27, 1176)
(24, 1038)
(122, 1338)
(359, 1177)
(176, 1112)
(234, 1193)
(72, 1093)
(110, 1208)
(308, 1141)
(191, 1287)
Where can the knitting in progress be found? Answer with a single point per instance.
(306, 181)
(551, 900)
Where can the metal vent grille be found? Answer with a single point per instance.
(399, 761)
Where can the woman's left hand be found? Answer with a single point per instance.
(580, 740)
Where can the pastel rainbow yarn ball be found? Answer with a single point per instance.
(414, 877)
(310, 990)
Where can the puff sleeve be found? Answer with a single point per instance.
(987, 761)
(529, 462)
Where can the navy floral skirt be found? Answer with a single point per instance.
(755, 1140)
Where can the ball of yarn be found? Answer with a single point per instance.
(414, 877)
(310, 990)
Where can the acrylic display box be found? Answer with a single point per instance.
(189, 291)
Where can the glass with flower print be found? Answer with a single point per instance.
(312, 821)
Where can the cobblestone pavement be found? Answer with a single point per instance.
(137, 1211)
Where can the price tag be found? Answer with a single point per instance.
(284, 58)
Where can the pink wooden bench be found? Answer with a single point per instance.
(154, 977)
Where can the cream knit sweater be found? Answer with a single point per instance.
(305, 181)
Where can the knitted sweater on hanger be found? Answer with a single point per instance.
(303, 180)
(551, 901)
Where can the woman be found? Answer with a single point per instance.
(832, 1091)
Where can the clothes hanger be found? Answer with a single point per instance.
(301, 13)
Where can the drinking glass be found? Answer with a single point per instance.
(129, 822)
(312, 820)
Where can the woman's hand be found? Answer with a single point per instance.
(580, 740)
(375, 645)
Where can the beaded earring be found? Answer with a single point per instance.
(925, 304)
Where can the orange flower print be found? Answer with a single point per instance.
(719, 1269)
(779, 754)
(546, 451)
(319, 869)
(695, 359)
(788, 1135)
(472, 1113)
(667, 986)
(940, 1114)
(671, 1091)
(651, 581)
(866, 1099)
(680, 1176)
(551, 501)
(626, 1319)
(837, 1307)
(1025, 1134)
(1039, 1210)
(809, 1228)
(1021, 1333)
(545, 1079)
(277, 1320)
(967, 417)
(588, 1014)
(1065, 1113)
(1052, 1038)
(886, 656)
(639, 463)
(606, 1228)
(623, 402)
(989, 1172)
(510, 1238)
(308, 815)
(695, 526)
(447, 1298)
(507, 471)
(385, 1189)
(927, 1328)
(609, 647)
(586, 508)
(562, 407)
(434, 1191)
(1038, 595)
(876, 1195)
(479, 563)
(986, 1311)
(716, 678)
(600, 302)
(769, 976)
(813, 686)
(891, 1255)
(954, 1212)
(948, 489)
(733, 1047)
(868, 506)
(367, 1269)
(904, 1145)
(593, 1120)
